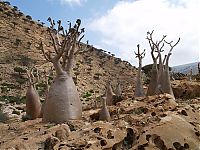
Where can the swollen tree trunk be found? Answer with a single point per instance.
(63, 102)
(139, 90)
(167, 84)
(155, 86)
(33, 105)
(161, 78)
(118, 90)
(154, 76)
(104, 114)
(109, 94)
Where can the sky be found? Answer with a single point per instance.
(117, 26)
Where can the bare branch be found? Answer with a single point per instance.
(164, 36)
(31, 76)
(138, 54)
(84, 48)
(47, 57)
(52, 22)
(164, 59)
(172, 46)
(53, 40)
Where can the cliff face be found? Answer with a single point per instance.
(19, 40)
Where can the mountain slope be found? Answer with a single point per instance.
(19, 40)
(186, 68)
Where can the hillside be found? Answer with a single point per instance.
(20, 37)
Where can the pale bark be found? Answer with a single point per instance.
(156, 82)
(139, 90)
(63, 102)
(109, 94)
(166, 83)
(33, 105)
(160, 80)
(118, 90)
(104, 114)
(154, 72)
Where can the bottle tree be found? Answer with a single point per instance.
(63, 102)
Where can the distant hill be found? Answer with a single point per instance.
(186, 68)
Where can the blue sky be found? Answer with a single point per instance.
(66, 10)
(119, 25)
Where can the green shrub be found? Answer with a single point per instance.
(25, 118)
(4, 89)
(13, 99)
(8, 85)
(17, 42)
(87, 94)
(25, 60)
(91, 91)
(21, 81)
(3, 117)
(16, 112)
(19, 70)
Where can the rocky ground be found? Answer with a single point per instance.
(154, 122)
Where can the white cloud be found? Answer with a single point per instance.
(126, 24)
(73, 2)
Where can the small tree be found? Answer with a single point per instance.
(63, 102)
(33, 105)
(15, 8)
(154, 71)
(104, 113)
(14, 24)
(6, 2)
(167, 85)
(139, 90)
(29, 17)
(118, 90)
(109, 94)
(17, 42)
(160, 80)
(19, 70)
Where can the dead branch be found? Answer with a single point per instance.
(171, 45)
(164, 59)
(31, 76)
(138, 54)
